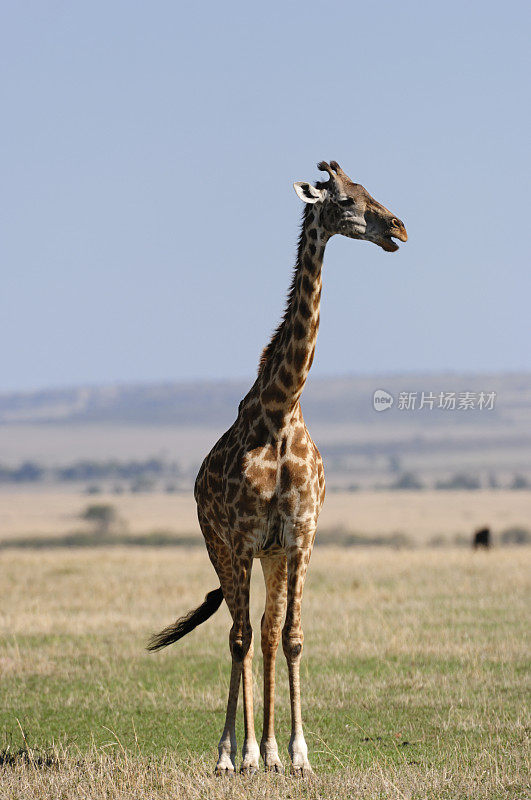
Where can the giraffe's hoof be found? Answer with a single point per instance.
(248, 769)
(302, 772)
(275, 767)
(221, 771)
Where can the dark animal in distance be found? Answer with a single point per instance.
(482, 538)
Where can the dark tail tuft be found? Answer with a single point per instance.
(185, 624)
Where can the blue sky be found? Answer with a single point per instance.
(147, 158)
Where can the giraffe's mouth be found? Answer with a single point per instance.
(388, 244)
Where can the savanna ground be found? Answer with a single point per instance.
(413, 675)
(50, 513)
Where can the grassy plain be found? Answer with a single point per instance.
(421, 516)
(414, 676)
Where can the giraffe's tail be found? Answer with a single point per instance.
(185, 624)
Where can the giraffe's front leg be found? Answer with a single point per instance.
(292, 641)
(274, 568)
(250, 751)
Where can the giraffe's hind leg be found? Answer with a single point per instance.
(219, 555)
(241, 647)
(234, 575)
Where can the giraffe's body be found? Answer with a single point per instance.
(261, 488)
(259, 485)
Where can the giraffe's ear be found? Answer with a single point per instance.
(308, 193)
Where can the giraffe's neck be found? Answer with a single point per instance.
(287, 359)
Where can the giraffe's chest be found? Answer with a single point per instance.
(282, 489)
(262, 488)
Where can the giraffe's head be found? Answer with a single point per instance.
(349, 209)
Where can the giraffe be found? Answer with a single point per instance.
(261, 488)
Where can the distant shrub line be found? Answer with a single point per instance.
(408, 481)
(148, 474)
(331, 537)
(89, 470)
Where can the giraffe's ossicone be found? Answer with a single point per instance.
(261, 488)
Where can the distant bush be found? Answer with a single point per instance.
(142, 485)
(89, 470)
(102, 516)
(407, 481)
(515, 536)
(28, 472)
(340, 537)
(126, 470)
(520, 482)
(459, 481)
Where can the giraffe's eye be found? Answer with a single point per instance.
(395, 222)
(348, 201)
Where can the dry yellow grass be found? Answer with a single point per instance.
(130, 776)
(419, 515)
(413, 676)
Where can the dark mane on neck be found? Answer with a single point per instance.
(269, 350)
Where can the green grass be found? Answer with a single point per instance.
(405, 709)
(415, 664)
